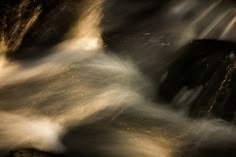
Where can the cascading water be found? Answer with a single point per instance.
(100, 73)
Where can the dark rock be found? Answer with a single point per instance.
(31, 153)
(209, 64)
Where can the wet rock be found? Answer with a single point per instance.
(26, 25)
(31, 153)
(209, 66)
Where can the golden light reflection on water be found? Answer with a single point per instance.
(83, 38)
(229, 27)
(87, 31)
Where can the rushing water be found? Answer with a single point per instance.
(80, 76)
